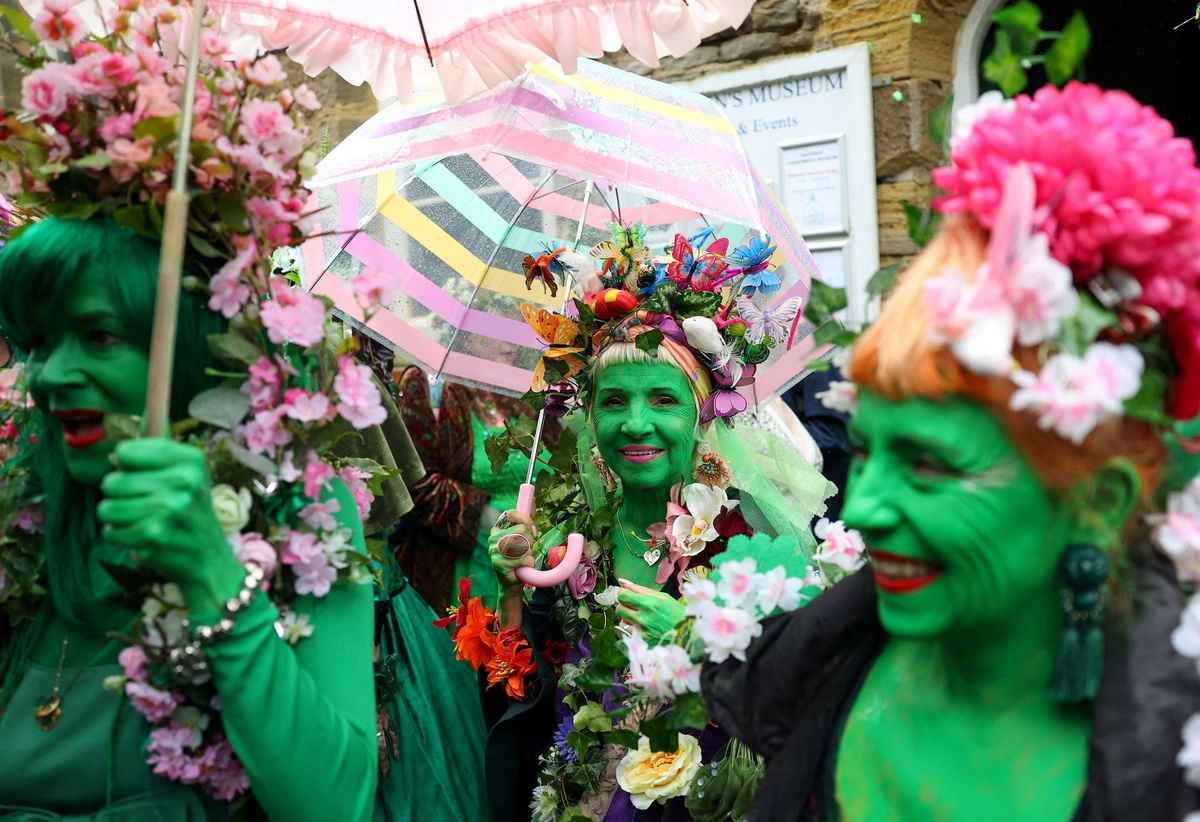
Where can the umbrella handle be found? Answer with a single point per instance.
(559, 573)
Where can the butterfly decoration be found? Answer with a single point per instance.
(772, 321)
(725, 401)
(626, 252)
(753, 261)
(560, 333)
(698, 271)
(544, 267)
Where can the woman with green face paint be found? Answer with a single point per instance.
(1007, 654)
(665, 486)
(76, 296)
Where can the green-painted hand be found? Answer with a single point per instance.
(158, 504)
(653, 611)
(503, 542)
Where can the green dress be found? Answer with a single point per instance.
(315, 760)
(436, 771)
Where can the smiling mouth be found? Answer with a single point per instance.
(641, 453)
(902, 575)
(82, 427)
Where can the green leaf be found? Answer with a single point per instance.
(660, 301)
(832, 333)
(939, 122)
(555, 370)
(1150, 401)
(1003, 66)
(818, 365)
(566, 616)
(162, 129)
(823, 302)
(222, 407)
(92, 161)
(688, 712)
(1065, 58)
(573, 814)
(623, 736)
(133, 218)
(592, 717)
(697, 303)
(121, 427)
(661, 736)
(606, 648)
(649, 340)
(922, 223)
(255, 462)
(535, 399)
(1023, 23)
(596, 680)
(563, 460)
(21, 24)
(881, 281)
(232, 208)
(1078, 332)
(234, 349)
(204, 246)
(586, 315)
(497, 453)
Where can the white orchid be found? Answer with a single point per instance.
(695, 529)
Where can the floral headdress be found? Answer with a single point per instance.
(693, 302)
(97, 138)
(1093, 260)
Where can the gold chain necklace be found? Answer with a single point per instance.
(49, 711)
(651, 556)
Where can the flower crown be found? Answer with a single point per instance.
(97, 138)
(694, 302)
(1093, 260)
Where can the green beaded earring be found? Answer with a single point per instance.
(1083, 569)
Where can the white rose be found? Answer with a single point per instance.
(649, 776)
(232, 507)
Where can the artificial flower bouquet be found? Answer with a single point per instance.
(97, 138)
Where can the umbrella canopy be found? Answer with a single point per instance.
(453, 198)
(471, 44)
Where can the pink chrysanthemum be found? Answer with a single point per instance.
(1121, 189)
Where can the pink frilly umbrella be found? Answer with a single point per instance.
(471, 45)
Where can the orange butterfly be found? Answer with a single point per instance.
(559, 333)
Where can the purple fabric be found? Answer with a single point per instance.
(711, 740)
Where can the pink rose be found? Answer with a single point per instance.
(317, 475)
(583, 579)
(253, 548)
(301, 548)
(359, 401)
(47, 90)
(305, 407)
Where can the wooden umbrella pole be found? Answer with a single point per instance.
(170, 265)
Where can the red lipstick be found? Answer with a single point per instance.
(82, 426)
(895, 574)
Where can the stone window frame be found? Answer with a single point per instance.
(968, 51)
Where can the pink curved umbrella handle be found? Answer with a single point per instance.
(559, 573)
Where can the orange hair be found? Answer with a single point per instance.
(895, 358)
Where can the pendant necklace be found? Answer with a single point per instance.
(49, 711)
(650, 556)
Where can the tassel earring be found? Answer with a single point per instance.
(1083, 569)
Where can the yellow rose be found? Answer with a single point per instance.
(650, 776)
(232, 507)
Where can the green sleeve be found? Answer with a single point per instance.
(302, 718)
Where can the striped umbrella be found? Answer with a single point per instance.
(453, 198)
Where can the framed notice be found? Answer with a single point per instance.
(812, 184)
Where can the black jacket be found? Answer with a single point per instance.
(788, 701)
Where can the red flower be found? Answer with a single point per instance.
(511, 663)
(457, 613)
(731, 523)
(474, 640)
(556, 654)
(1183, 329)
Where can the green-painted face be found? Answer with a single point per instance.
(645, 420)
(83, 363)
(960, 529)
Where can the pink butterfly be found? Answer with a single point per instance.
(725, 401)
(697, 272)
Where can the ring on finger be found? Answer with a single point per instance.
(503, 522)
(514, 546)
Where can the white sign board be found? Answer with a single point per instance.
(808, 127)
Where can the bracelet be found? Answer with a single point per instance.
(188, 661)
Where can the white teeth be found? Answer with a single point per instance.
(904, 569)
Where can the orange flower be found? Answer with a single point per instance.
(474, 640)
(513, 661)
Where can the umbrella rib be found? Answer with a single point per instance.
(488, 266)
(424, 39)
